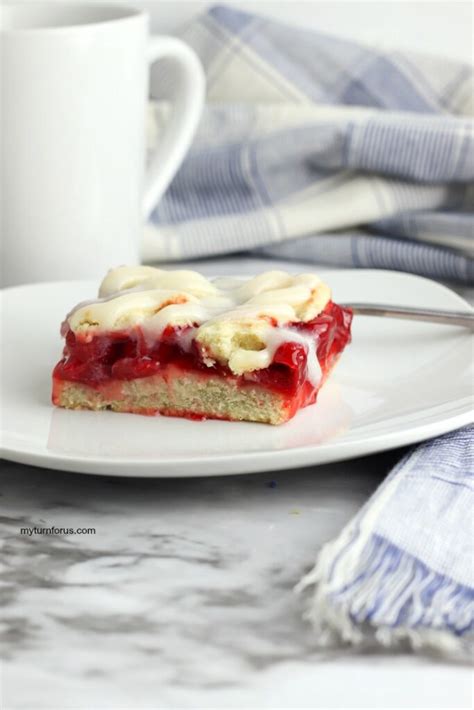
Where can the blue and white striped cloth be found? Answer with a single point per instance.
(403, 569)
(322, 150)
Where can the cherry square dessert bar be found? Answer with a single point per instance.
(176, 343)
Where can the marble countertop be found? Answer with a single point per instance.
(183, 596)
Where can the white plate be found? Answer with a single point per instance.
(397, 383)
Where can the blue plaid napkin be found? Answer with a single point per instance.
(403, 569)
(320, 149)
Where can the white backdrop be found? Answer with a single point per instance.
(440, 27)
(444, 28)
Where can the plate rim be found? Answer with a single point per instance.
(329, 270)
(276, 459)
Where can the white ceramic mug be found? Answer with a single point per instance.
(74, 92)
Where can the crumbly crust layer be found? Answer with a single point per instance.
(182, 394)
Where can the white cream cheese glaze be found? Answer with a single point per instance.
(237, 323)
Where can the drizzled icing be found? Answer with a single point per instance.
(235, 322)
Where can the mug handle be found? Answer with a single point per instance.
(182, 124)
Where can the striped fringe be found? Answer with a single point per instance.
(380, 595)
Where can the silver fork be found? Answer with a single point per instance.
(464, 319)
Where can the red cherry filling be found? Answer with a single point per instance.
(125, 355)
(131, 367)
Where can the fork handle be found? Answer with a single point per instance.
(459, 318)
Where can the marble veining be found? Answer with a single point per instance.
(186, 584)
(182, 598)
